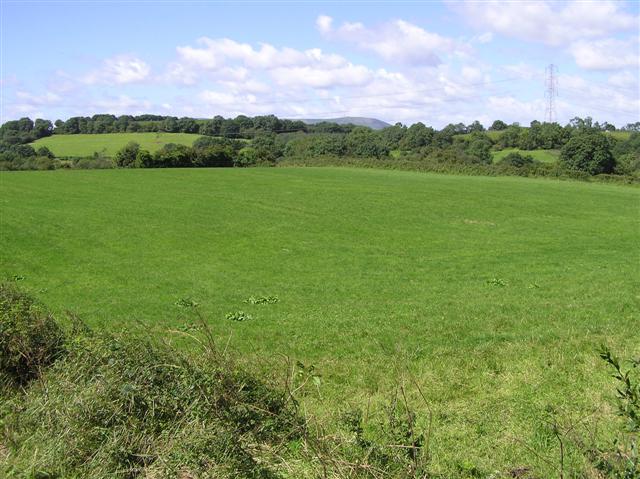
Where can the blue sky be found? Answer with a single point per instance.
(436, 62)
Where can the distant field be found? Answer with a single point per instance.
(494, 135)
(494, 293)
(109, 143)
(545, 156)
(619, 135)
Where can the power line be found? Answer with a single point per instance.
(605, 109)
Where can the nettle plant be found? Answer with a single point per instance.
(239, 316)
(627, 375)
(262, 299)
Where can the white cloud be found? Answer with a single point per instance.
(324, 22)
(119, 70)
(122, 104)
(486, 37)
(238, 65)
(626, 80)
(46, 98)
(548, 22)
(317, 77)
(395, 41)
(213, 54)
(606, 54)
(523, 71)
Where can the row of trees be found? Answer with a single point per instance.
(25, 130)
(584, 146)
(538, 135)
(240, 127)
(205, 152)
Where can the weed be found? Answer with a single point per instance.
(239, 316)
(497, 282)
(261, 300)
(186, 303)
(30, 339)
(625, 461)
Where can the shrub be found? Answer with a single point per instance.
(44, 151)
(628, 164)
(44, 163)
(143, 159)
(126, 156)
(517, 160)
(96, 162)
(589, 152)
(173, 155)
(30, 338)
(214, 156)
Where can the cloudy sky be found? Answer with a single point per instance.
(435, 62)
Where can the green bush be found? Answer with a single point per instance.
(30, 338)
(588, 152)
(517, 160)
(628, 164)
(126, 156)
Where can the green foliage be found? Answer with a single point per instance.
(143, 159)
(314, 145)
(497, 282)
(127, 156)
(416, 136)
(517, 160)
(364, 142)
(214, 156)
(30, 339)
(628, 390)
(498, 125)
(239, 316)
(628, 164)
(173, 155)
(44, 151)
(479, 146)
(121, 406)
(262, 299)
(588, 152)
(186, 303)
(625, 462)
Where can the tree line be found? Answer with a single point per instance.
(585, 146)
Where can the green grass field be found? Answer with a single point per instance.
(494, 135)
(108, 144)
(545, 156)
(494, 293)
(619, 135)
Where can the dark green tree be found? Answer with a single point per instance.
(589, 152)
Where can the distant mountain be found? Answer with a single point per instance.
(372, 123)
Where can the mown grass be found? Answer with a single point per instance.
(108, 144)
(493, 293)
(545, 156)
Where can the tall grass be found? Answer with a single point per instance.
(77, 403)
